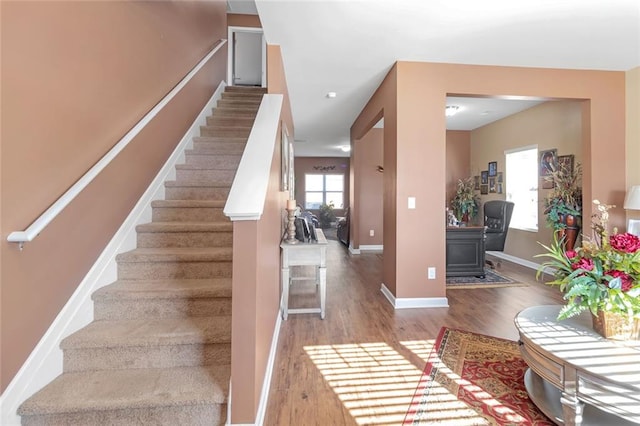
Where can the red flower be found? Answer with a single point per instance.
(626, 242)
(627, 281)
(583, 263)
(570, 254)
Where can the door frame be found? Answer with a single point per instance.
(230, 57)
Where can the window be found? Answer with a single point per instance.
(323, 189)
(522, 187)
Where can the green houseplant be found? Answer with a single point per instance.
(563, 204)
(326, 215)
(465, 203)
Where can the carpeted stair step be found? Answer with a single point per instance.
(195, 173)
(185, 234)
(240, 103)
(218, 161)
(246, 89)
(170, 298)
(188, 210)
(234, 112)
(225, 131)
(162, 263)
(173, 396)
(148, 343)
(230, 121)
(195, 191)
(242, 95)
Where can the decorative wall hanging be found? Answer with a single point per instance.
(324, 168)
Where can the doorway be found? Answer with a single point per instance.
(247, 57)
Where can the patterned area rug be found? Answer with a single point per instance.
(491, 279)
(472, 379)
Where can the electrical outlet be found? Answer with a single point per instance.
(371, 233)
(431, 273)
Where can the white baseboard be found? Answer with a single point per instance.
(414, 302)
(45, 362)
(353, 250)
(519, 261)
(378, 247)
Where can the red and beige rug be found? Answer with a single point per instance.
(472, 379)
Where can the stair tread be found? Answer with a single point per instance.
(173, 254)
(150, 332)
(130, 389)
(186, 227)
(164, 289)
(224, 168)
(230, 139)
(197, 184)
(189, 203)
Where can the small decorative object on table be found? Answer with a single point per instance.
(291, 217)
(602, 276)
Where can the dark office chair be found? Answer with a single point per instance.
(497, 215)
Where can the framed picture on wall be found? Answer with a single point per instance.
(493, 168)
(492, 185)
(548, 162)
(484, 189)
(499, 188)
(476, 183)
(484, 178)
(499, 177)
(565, 162)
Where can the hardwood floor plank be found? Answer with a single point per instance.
(362, 363)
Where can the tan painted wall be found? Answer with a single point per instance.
(413, 97)
(304, 165)
(369, 195)
(240, 20)
(74, 81)
(551, 125)
(458, 161)
(256, 290)
(633, 132)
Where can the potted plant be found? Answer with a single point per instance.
(465, 203)
(602, 276)
(326, 215)
(563, 204)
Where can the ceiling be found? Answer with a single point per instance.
(348, 46)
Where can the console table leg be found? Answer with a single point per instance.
(285, 292)
(572, 409)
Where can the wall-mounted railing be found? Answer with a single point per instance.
(45, 218)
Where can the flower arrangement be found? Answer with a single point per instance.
(566, 196)
(602, 275)
(465, 203)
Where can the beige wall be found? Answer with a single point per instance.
(304, 165)
(551, 125)
(458, 161)
(256, 291)
(75, 80)
(412, 98)
(633, 132)
(240, 20)
(369, 195)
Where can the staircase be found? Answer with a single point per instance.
(159, 349)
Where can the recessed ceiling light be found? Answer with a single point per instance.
(451, 110)
(332, 95)
(345, 148)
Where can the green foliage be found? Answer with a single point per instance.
(465, 202)
(326, 215)
(566, 196)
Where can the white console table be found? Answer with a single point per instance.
(304, 253)
(576, 376)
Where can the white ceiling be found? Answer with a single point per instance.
(348, 46)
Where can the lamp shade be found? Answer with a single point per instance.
(632, 200)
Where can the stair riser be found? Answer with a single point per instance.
(162, 270)
(224, 177)
(230, 121)
(196, 193)
(234, 112)
(246, 89)
(169, 356)
(240, 132)
(243, 95)
(161, 308)
(234, 103)
(184, 239)
(218, 148)
(209, 414)
(229, 162)
(188, 214)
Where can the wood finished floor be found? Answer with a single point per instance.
(361, 364)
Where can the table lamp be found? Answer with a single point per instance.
(632, 202)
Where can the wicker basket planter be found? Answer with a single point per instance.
(616, 326)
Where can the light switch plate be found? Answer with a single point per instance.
(412, 202)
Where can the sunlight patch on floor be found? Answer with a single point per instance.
(373, 381)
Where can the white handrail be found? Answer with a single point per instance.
(45, 218)
(249, 189)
